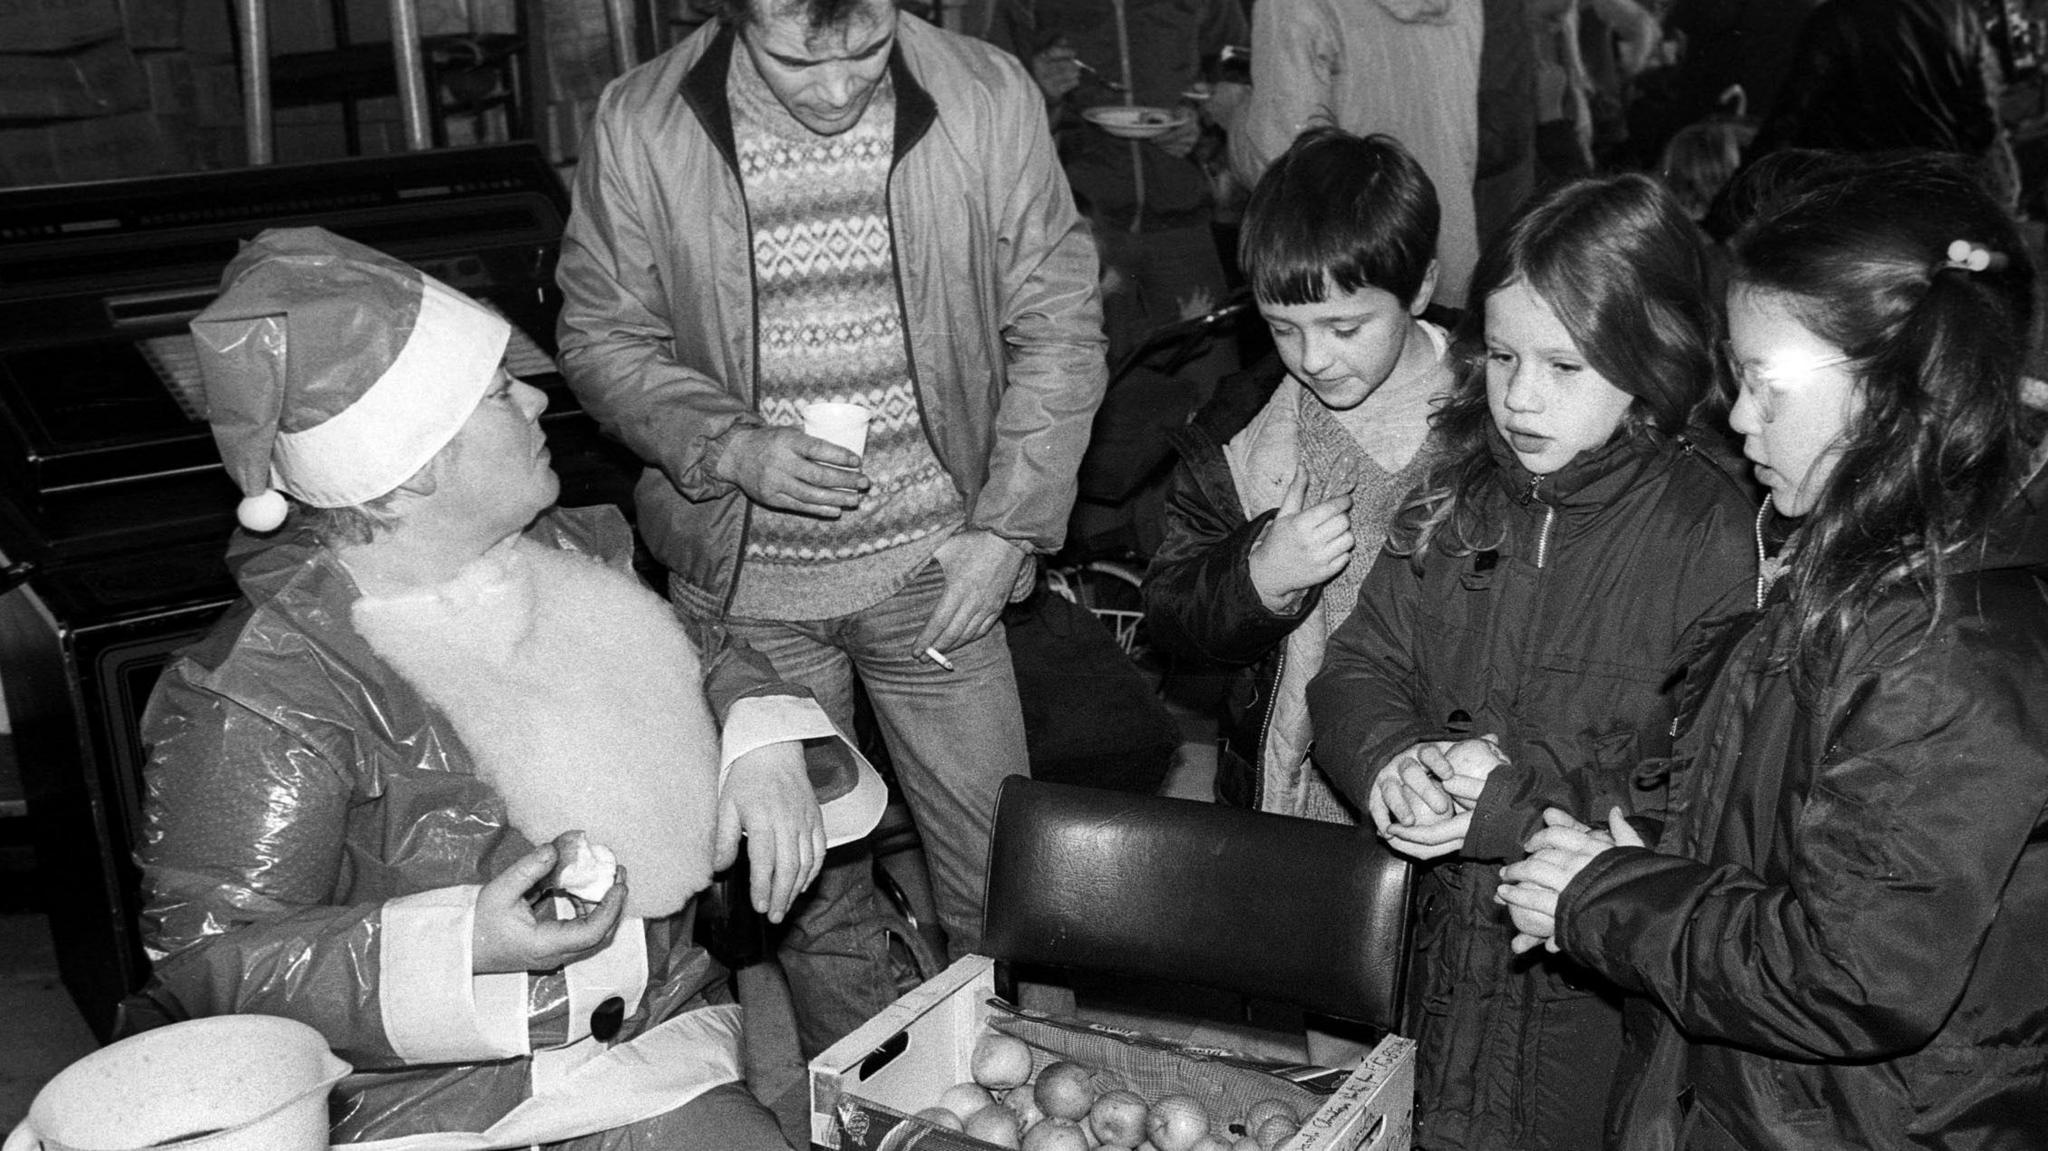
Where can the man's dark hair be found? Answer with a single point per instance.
(818, 14)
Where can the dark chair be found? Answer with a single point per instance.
(1270, 907)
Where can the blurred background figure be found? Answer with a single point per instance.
(1586, 52)
(1408, 69)
(1150, 200)
(1877, 75)
(1698, 161)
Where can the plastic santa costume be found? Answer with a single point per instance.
(334, 775)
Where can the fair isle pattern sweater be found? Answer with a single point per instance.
(831, 328)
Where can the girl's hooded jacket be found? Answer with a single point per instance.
(1563, 640)
(1844, 922)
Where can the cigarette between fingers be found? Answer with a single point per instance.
(939, 659)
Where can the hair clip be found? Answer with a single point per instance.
(1973, 257)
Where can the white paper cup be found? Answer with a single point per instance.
(842, 424)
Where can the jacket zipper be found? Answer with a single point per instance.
(924, 423)
(1549, 517)
(1266, 729)
(732, 585)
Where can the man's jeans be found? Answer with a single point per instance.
(953, 736)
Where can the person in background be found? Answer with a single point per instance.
(1701, 158)
(357, 779)
(827, 200)
(1278, 505)
(1505, 172)
(1151, 202)
(1403, 68)
(1718, 45)
(1880, 75)
(1837, 934)
(1541, 591)
(1574, 91)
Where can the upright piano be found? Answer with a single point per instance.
(114, 508)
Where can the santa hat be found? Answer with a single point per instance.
(334, 372)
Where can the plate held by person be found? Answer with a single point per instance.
(1135, 122)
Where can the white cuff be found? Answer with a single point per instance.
(620, 969)
(433, 1008)
(855, 794)
(760, 720)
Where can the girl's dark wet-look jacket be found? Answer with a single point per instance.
(1562, 639)
(1861, 961)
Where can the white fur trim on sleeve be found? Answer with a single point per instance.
(620, 969)
(758, 721)
(434, 1010)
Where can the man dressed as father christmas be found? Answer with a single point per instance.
(357, 779)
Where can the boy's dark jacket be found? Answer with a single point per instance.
(1861, 963)
(1199, 601)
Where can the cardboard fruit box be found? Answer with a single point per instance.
(897, 1063)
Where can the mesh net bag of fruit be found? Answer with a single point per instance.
(1236, 1094)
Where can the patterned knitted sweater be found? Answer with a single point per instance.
(831, 328)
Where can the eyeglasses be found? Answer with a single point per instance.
(1756, 378)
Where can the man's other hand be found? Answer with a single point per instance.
(768, 797)
(508, 936)
(982, 573)
(785, 469)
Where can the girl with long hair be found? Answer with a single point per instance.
(1521, 640)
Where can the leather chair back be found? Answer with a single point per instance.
(1269, 906)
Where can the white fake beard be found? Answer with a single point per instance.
(581, 701)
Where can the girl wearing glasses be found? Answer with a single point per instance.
(1841, 927)
(1542, 581)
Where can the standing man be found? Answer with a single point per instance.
(824, 200)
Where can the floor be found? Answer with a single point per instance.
(42, 1032)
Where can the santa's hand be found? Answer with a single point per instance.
(508, 936)
(768, 797)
